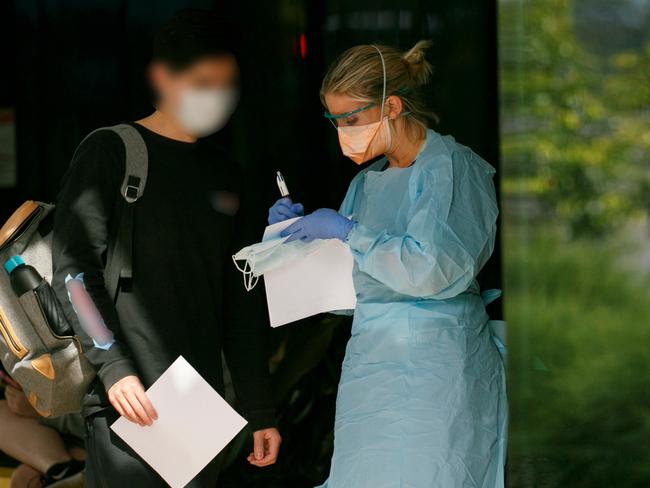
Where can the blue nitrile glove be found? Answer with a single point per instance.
(324, 223)
(285, 209)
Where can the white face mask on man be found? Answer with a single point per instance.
(203, 111)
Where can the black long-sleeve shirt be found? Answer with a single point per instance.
(186, 299)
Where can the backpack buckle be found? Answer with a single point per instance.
(131, 189)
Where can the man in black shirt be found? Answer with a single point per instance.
(186, 297)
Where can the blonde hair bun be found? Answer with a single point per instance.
(415, 58)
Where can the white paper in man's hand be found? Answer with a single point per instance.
(194, 424)
(316, 282)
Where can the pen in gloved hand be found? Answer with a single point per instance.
(282, 186)
(284, 208)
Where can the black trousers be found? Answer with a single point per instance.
(111, 463)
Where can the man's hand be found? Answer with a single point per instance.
(266, 445)
(130, 400)
(18, 403)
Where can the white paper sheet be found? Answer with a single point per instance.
(194, 424)
(318, 282)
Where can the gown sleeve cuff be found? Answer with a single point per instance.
(361, 238)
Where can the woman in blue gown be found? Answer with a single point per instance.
(421, 401)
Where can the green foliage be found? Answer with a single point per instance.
(579, 365)
(576, 158)
(576, 123)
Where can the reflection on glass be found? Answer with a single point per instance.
(575, 95)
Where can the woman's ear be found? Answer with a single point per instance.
(394, 107)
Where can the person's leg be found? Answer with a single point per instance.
(77, 453)
(72, 428)
(24, 476)
(110, 463)
(29, 442)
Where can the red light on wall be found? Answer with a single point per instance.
(303, 46)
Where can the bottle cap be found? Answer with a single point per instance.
(12, 263)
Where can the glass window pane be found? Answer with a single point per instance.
(575, 121)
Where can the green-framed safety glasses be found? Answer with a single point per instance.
(333, 118)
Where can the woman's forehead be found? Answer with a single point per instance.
(338, 103)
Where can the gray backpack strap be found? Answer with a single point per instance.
(137, 162)
(118, 275)
(118, 272)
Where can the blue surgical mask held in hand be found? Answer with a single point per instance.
(267, 255)
(324, 223)
(285, 209)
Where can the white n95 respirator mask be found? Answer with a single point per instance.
(203, 111)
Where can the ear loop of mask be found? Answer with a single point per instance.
(250, 281)
(383, 95)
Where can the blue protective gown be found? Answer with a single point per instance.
(421, 402)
